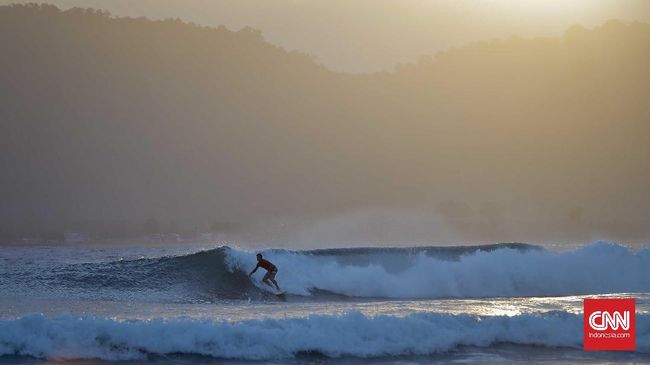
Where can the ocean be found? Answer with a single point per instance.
(194, 304)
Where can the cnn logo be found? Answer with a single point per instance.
(609, 324)
(602, 321)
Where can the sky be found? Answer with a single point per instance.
(372, 35)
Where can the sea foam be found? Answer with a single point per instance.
(597, 268)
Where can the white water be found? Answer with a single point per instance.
(597, 268)
(351, 334)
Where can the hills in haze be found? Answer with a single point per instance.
(122, 126)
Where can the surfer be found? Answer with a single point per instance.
(271, 270)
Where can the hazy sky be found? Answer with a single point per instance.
(123, 127)
(366, 35)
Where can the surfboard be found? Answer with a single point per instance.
(280, 293)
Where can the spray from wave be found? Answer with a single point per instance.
(508, 271)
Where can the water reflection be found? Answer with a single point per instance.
(243, 310)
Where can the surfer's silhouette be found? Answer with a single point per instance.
(271, 270)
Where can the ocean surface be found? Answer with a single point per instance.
(194, 304)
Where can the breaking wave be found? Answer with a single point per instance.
(350, 335)
(423, 272)
(509, 271)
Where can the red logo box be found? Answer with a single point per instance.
(609, 324)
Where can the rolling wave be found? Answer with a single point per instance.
(348, 335)
(413, 273)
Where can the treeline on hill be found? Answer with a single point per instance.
(110, 119)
